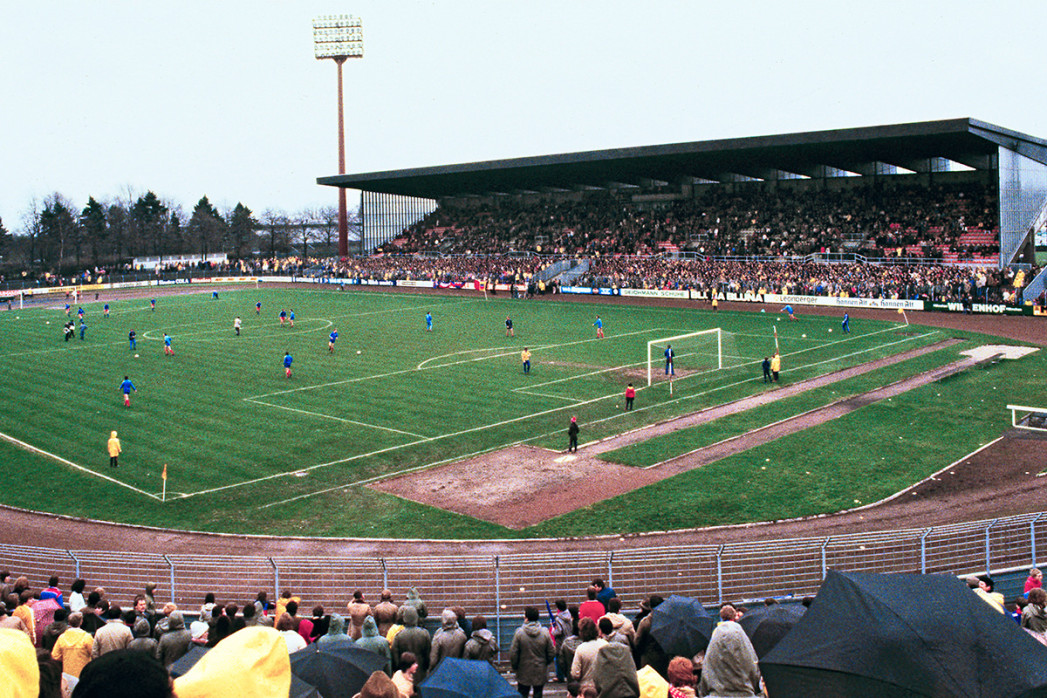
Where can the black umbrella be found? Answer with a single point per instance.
(338, 672)
(186, 662)
(767, 625)
(894, 635)
(301, 689)
(681, 625)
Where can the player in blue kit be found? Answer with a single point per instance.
(152, 304)
(80, 313)
(105, 311)
(127, 386)
(168, 351)
(331, 340)
(283, 317)
(290, 318)
(599, 327)
(214, 295)
(428, 322)
(670, 370)
(287, 363)
(131, 339)
(83, 328)
(846, 324)
(258, 308)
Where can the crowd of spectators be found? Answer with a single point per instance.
(879, 221)
(744, 241)
(89, 646)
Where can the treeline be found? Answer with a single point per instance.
(58, 238)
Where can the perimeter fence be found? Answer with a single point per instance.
(500, 586)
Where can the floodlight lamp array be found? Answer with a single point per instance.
(338, 36)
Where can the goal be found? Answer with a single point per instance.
(693, 352)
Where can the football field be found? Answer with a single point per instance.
(247, 449)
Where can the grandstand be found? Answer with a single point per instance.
(957, 187)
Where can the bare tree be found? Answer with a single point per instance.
(274, 225)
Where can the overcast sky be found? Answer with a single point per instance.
(225, 99)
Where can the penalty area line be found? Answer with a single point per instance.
(47, 454)
(321, 415)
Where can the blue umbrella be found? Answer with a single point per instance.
(465, 678)
(681, 625)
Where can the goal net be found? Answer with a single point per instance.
(695, 352)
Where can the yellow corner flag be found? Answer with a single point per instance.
(164, 475)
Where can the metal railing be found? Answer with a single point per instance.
(501, 586)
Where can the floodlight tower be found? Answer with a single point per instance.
(339, 37)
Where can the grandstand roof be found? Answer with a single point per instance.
(918, 147)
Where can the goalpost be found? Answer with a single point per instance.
(694, 351)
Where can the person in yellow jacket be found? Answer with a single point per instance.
(73, 647)
(114, 449)
(19, 671)
(250, 663)
(776, 366)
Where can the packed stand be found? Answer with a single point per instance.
(878, 221)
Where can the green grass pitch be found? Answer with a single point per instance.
(250, 451)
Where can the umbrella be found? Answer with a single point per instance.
(893, 635)
(43, 615)
(681, 625)
(767, 625)
(465, 678)
(338, 672)
(184, 663)
(301, 689)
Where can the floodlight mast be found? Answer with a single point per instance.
(339, 37)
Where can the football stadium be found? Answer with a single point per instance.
(785, 360)
(589, 408)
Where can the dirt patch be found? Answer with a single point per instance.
(521, 486)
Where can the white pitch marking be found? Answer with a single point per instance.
(71, 464)
(337, 419)
(514, 352)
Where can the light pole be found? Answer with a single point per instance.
(339, 37)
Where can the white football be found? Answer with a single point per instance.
(803, 336)
(136, 356)
(48, 322)
(830, 330)
(359, 352)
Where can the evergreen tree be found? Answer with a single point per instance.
(206, 227)
(93, 228)
(241, 231)
(149, 216)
